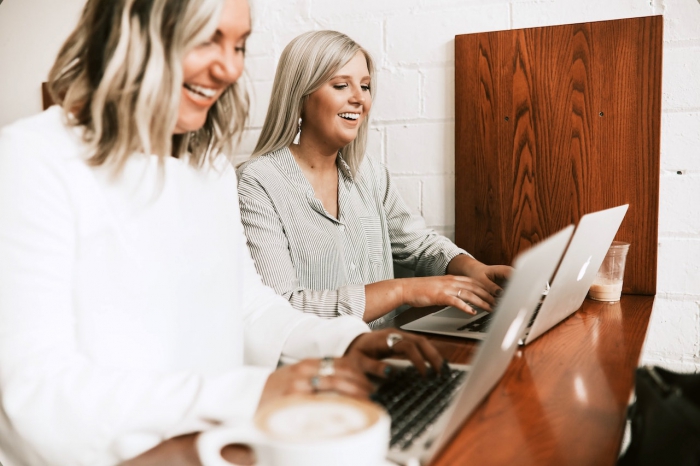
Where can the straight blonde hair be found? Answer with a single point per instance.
(307, 62)
(119, 75)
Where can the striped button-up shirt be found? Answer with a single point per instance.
(321, 264)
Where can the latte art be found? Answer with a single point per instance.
(314, 418)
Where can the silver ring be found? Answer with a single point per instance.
(392, 339)
(327, 367)
(459, 292)
(315, 383)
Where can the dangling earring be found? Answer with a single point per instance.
(298, 136)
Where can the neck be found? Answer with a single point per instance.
(314, 157)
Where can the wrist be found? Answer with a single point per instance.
(462, 264)
(401, 290)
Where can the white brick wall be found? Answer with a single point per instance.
(413, 119)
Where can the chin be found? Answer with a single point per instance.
(191, 124)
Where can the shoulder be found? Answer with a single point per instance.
(46, 136)
(372, 172)
(261, 166)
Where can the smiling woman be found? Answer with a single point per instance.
(325, 223)
(130, 309)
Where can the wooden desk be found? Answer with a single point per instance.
(562, 400)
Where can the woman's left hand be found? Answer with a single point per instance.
(369, 348)
(491, 277)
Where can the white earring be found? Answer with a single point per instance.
(298, 136)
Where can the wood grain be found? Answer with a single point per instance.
(553, 123)
(563, 398)
(561, 401)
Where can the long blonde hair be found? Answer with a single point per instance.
(309, 61)
(119, 75)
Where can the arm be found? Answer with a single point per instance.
(59, 406)
(269, 248)
(413, 244)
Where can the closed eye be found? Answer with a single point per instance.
(340, 86)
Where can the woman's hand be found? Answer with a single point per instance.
(446, 290)
(491, 277)
(346, 377)
(367, 350)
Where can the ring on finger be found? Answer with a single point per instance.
(392, 339)
(459, 292)
(315, 383)
(327, 367)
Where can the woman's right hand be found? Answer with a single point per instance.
(446, 290)
(348, 379)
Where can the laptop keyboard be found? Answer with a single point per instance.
(481, 325)
(414, 402)
(478, 325)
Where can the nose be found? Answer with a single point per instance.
(357, 95)
(229, 66)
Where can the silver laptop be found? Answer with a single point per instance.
(445, 413)
(586, 251)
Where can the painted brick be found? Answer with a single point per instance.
(410, 191)
(260, 68)
(260, 92)
(680, 141)
(439, 93)
(247, 144)
(439, 200)
(359, 8)
(674, 329)
(681, 20)
(547, 13)
(421, 148)
(676, 216)
(367, 33)
(375, 144)
(678, 269)
(397, 95)
(288, 30)
(265, 12)
(260, 43)
(672, 363)
(429, 37)
(680, 84)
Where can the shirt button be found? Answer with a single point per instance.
(341, 227)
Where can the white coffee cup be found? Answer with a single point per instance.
(308, 430)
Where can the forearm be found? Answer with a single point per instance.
(462, 264)
(383, 297)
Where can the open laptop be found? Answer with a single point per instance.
(586, 251)
(429, 422)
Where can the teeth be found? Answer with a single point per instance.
(349, 116)
(203, 91)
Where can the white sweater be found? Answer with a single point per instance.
(130, 309)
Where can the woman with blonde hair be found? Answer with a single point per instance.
(130, 309)
(325, 223)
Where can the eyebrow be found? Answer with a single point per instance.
(347, 76)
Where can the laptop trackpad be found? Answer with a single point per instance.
(454, 313)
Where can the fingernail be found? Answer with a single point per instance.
(387, 371)
(499, 293)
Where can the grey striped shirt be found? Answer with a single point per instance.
(320, 263)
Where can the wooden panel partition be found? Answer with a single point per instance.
(553, 123)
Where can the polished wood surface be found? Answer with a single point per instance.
(562, 400)
(553, 123)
